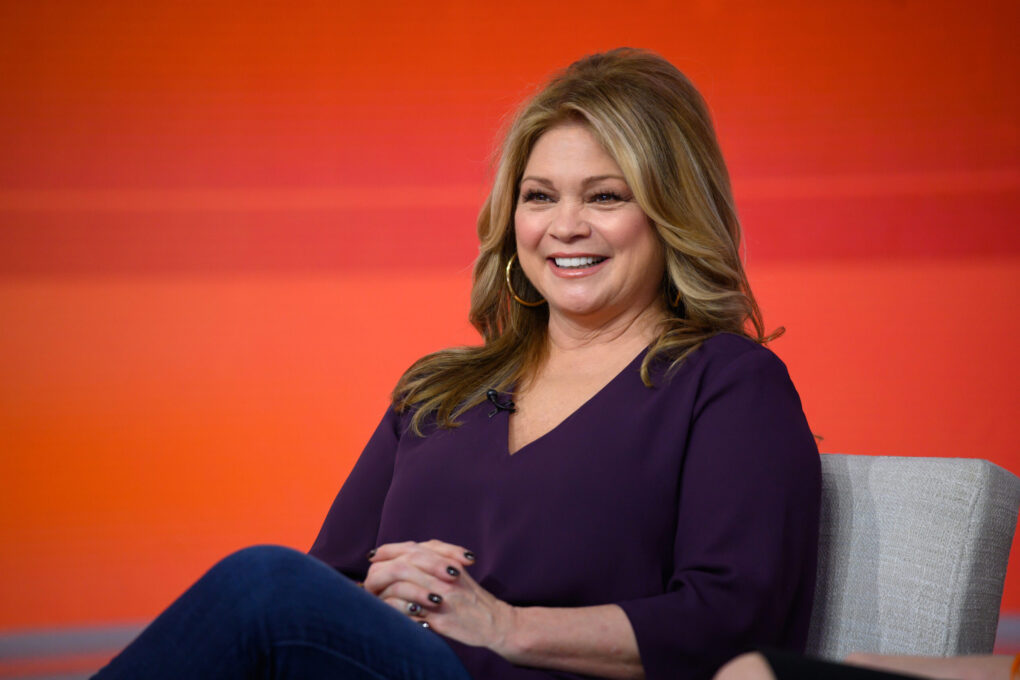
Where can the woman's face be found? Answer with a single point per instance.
(582, 239)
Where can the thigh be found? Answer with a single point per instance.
(271, 612)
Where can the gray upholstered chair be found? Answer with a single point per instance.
(912, 555)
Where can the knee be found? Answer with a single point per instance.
(257, 568)
(746, 667)
(274, 585)
(261, 558)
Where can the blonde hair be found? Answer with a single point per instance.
(654, 123)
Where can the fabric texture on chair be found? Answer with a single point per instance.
(912, 555)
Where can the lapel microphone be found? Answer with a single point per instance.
(508, 406)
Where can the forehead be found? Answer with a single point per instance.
(570, 148)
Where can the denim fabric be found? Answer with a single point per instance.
(272, 612)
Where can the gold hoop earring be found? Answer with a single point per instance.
(510, 286)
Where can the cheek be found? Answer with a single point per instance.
(637, 235)
(656, 257)
(527, 230)
(650, 256)
(656, 250)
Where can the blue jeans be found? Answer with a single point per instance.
(272, 612)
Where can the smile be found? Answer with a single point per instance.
(577, 262)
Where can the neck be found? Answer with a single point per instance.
(632, 329)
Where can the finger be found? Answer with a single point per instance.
(439, 566)
(422, 597)
(411, 609)
(408, 609)
(454, 552)
(388, 551)
(433, 575)
(383, 574)
(426, 560)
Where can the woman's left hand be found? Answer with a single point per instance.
(428, 582)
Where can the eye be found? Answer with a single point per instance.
(605, 197)
(534, 195)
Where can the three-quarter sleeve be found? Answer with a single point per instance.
(352, 523)
(745, 549)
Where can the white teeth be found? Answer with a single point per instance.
(577, 262)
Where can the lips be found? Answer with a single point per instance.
(580, 262)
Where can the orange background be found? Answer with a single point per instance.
(226, 228)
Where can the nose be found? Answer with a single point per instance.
(568, 222)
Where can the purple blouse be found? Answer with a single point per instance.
(693, 505)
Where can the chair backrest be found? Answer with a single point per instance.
(912, 555)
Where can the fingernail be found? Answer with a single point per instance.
(453, 571)
(468, 555)
(435, 599)
(371, 553)
(413, 607)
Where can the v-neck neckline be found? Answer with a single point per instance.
(505, 432)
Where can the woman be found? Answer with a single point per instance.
(618, 483)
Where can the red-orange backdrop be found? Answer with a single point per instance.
(225, 229)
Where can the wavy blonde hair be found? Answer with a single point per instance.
(654, 123)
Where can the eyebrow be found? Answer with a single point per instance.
(586, 182)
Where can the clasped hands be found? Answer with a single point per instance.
(429, 582)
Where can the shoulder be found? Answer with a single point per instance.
(728, 372)
(729, 353)
(726, 355)
(724, 348)
(746, 406)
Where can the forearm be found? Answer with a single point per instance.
(595, 641)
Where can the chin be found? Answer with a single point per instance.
(576, 307)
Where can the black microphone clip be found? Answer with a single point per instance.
(508, 405)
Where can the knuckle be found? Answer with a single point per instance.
(377, 573)
(427, 561)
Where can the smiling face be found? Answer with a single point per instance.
(582, 239)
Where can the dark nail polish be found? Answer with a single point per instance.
(453, 571)
(435, 599)
(468, 555)
(371, 553)
(413, 607)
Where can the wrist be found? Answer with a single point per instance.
(508, 643)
